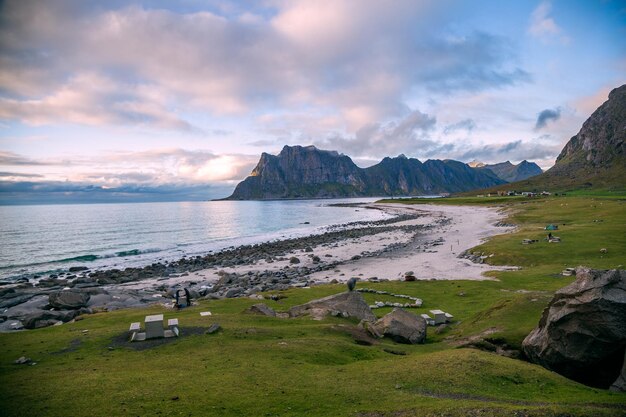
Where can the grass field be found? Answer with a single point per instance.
(259, 366)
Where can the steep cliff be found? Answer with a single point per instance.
(600, 145)
(301, 172)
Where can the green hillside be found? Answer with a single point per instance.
(260, 366)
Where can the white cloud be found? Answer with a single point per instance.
(154, 167)
(377, 140)
(543, 26)
(355, 59)
(93, 99)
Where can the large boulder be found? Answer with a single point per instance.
(346, 304)
(402, 327)
(68, 299)
(20, 311)
(582, 332)
(47, 318)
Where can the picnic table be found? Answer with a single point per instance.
(154, 329)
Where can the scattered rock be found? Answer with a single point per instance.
(582, 332)
(11, 325)
(369, 328)
(294, 260)
(261, 309)
(402, 327)
(32, 306)
(350, 304)
(233, 292)
(68, 299)
(78, 268)
(23, 360)
(214, 328)
(13, 299)
(47, 318)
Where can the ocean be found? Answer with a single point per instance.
(45, 239)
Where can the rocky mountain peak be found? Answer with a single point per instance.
(601, 142)
(511, 172)
(476, 164)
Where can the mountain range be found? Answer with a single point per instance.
(309, 172)
(510, 172)
(594, 158)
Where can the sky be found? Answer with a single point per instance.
(157, 101)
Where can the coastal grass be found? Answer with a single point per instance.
(262, 366)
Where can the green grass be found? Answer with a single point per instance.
(259, 366)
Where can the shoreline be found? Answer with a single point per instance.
(426, 239)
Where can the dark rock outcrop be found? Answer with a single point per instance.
(308, 172)
(34, 305)
(582, 332)
(46, 318)
(68, 299)
(402, 327)
(602, 139)
(346, 304)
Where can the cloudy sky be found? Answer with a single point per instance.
(150, 100)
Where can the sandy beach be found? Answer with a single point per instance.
(431, 253)
(426, 239)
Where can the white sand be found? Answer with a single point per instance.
(468, 227)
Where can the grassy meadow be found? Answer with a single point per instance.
(260, 366)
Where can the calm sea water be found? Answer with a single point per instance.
(41, 239)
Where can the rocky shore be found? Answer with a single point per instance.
(60, 297)
(409, 240)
